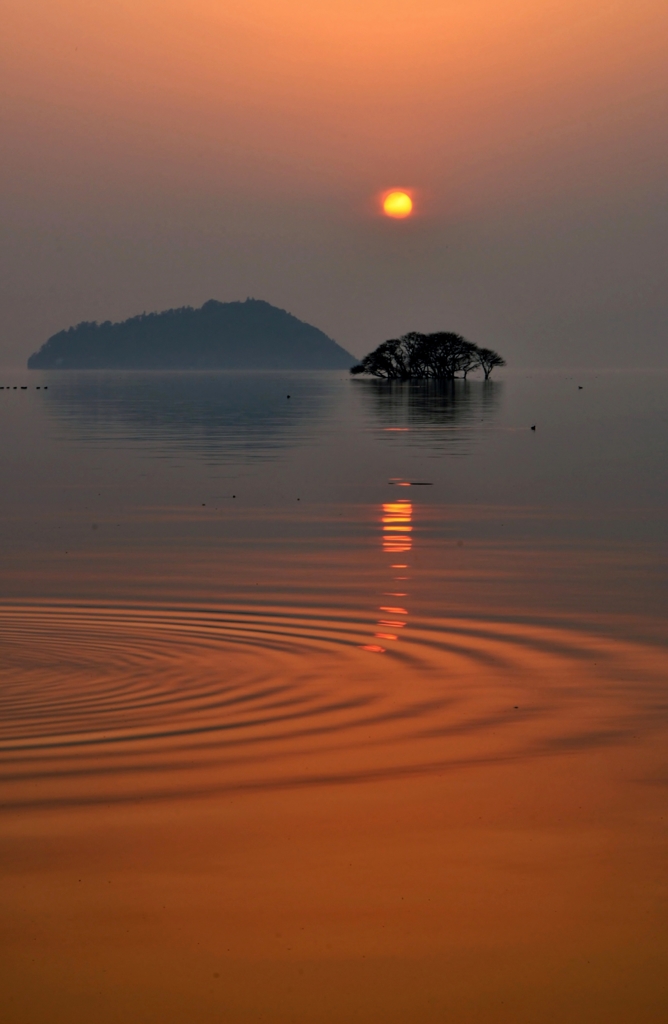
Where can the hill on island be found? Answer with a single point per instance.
(251, 335)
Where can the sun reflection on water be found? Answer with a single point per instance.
(397, 528)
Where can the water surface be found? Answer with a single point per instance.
(328, 699)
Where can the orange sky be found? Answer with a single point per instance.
(289, 118)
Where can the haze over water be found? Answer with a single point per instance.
(347, 705)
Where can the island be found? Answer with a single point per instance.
(443, 355)
(250, 335)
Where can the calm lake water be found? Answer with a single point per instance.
(333, 700)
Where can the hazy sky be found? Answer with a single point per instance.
(159, 153)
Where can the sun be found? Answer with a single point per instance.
(397, 204)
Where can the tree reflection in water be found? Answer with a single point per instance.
(434, 406)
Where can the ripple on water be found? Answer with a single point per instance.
(116, 702)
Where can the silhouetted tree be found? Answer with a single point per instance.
(443, 355)
(488, 359)
(396, 359)
(446, 354)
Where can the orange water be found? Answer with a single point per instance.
(245, 809)
(389, 760)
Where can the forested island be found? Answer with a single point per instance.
(440, 356)
(220, 335)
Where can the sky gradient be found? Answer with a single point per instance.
(158, 153)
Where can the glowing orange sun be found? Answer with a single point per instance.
(397, 204)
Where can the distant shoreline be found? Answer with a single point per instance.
(250, 335)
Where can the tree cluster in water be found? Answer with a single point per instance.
(443, 356)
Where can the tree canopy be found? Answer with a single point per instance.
(443, 355)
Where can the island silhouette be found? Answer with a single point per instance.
(443, 355)
(251, 335)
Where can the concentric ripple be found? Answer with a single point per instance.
(118, 702)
